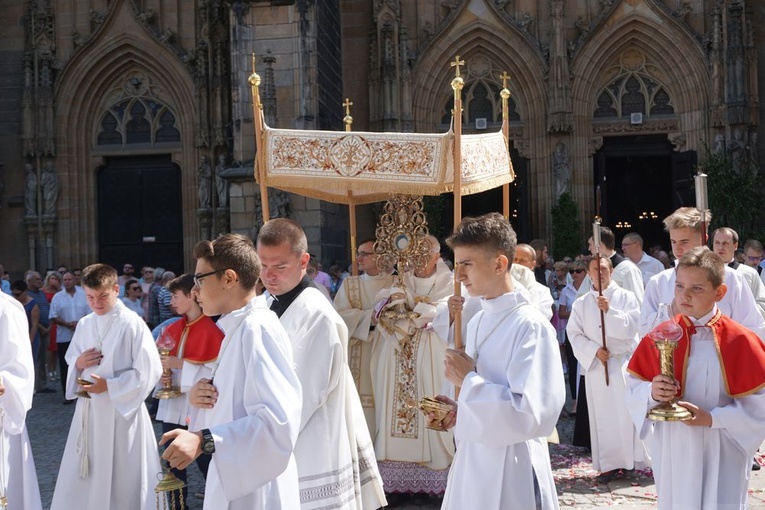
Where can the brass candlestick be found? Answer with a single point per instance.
(666, 336)
(165, 344)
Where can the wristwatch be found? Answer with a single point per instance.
(208, 443)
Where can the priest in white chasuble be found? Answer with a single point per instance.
(253, 401)
(334, 451)
(355, 302)
(615, 443)
(407, 365)
(510, 378)
(17, 380)
(111, 458)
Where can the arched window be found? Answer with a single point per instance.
(138, 120)
(633, 90)
(481, 100)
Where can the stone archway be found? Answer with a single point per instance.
(84, 95)
(679, 62)
(492, 47)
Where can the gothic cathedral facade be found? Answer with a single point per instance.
(127, 125)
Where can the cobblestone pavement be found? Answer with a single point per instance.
(48, 425)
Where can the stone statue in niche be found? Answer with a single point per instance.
(30, 190)
(50, 187)
(719, 145)
(221, 184)
(737, 149)
(204, 178)
(561, 169)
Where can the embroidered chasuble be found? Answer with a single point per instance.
(408, 364)
(720, 366)
(355, 303)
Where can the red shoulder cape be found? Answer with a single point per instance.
(201, 339)
(741, 354)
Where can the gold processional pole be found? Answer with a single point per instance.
(596, 243)
(505, 95)
(457, 84)
(260, 142)
(348, 120)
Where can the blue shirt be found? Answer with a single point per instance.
(42, 302)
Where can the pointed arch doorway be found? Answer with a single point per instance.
(140, 213)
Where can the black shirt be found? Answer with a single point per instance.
(281, 303)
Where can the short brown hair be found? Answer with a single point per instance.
(490, 231)
(98, 276)
(283, 230)
(608, 238)
(608, 262)
(753, 244)
(232, 251)
(703, 258)
(183, 283)
(687, 217)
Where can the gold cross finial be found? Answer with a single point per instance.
(348, 103)
(457, 63)
(504, 77)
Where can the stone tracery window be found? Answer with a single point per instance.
(136, 116)
(634, 89)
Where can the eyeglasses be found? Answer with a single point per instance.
(754, 259)
(199, 277)
(577, 271)
(627, 244)
(360, 254)
(134, 288)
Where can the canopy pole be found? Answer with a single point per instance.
(457, 84)
(260, 165)
(348, 120)
(505, 95)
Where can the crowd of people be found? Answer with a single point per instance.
(300, 388)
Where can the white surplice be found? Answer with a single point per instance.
(18, 376)
(738, 302)
(629, 277)
(752, 278)
(506, 409)
(256, 419)
(615, 444)
(407, 365)
(355, 301)
(699, 467)
(111, 458)
(334, 452)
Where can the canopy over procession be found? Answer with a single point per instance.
(411, 373)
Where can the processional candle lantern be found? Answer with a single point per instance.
(165, 344)
(666, 334)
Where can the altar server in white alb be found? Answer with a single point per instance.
(626, 274)
(705, 462)
(18, 478)
(511, 381)
(252, 405)
(615, 444)
(111, 458)
(685, 227)
(407, 364)
(334, 453)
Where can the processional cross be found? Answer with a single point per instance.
(457, 63)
